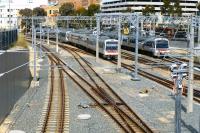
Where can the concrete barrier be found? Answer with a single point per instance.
(14, 83)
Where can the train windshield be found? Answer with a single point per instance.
(162, 44)
(111, 45)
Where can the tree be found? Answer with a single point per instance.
(26, 23)
(81, 11)
(25, 12)
(92, 9)
(148, 10)
(39, 12)
(67, 9)
(167, 8)
(198, 6)
(177, 8)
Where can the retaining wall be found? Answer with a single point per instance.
(13, 84)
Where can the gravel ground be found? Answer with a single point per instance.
(156, 107)
(99, 121)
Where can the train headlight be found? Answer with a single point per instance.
(156, 51)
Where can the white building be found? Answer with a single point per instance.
(108, 6)
(11, 9)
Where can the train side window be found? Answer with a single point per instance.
(149, 44)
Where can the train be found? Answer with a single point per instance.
(156, 46)
(108, 48)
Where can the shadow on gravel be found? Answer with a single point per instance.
(189, 127)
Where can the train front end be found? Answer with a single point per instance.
(161, 47)
(111, 48)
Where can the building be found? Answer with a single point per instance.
(9, 10)
(109, 6)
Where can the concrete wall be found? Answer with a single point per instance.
(15, 83)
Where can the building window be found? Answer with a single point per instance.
(49, 11)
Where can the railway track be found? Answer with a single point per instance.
(165, 82)
(161, 64)
(54, 114)
(100, 92)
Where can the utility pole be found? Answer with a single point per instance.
(57, 38)
(32, 33)
(178, 73)
(40, 39)
(97, 38)
(198, 35)
(9, 16)
(135, 76)
(48, 36)
(142, 25)
(191, 71)
(35, 76)
(119, 45)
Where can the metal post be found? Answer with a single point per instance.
(32, 33)
(57, 38)
(90, 23)
(40, 40)
(141, 25)
(136, 49)
(9, 16)
(48, 36)
(97, 40)
(26, 27)
(150, 26)
(191, 77)
(119, 45)
(198, 36)
(178, 105)
(35, 76)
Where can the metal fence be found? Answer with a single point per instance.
(7, 37)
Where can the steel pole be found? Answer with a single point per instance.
(35, 76)
(32, 33)
(136, 49)
(57, 38)
(178, 105)
(40, 40)
(9, 16)
(90, 23)
(26, 27)
(191, 71)
(198, 35)
(48, 36)
(119, 45)
(97, 39)
(142, 26)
